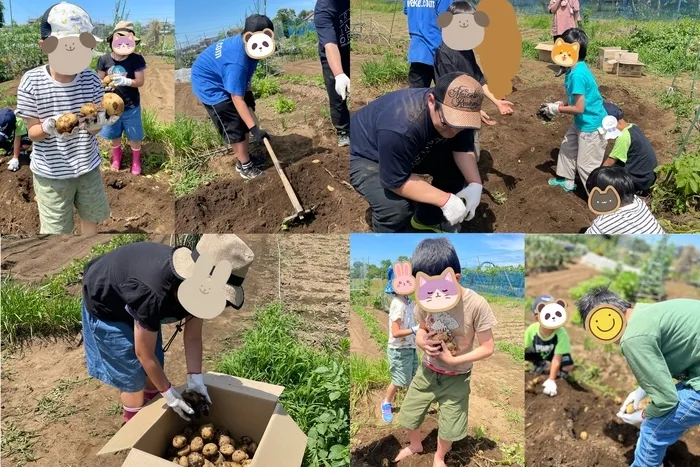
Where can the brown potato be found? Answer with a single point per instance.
(227, 449)
(179, 441)
(184, 451)
(239, 456)
(210, 449)
(107, 80)
(176, 460)
(184, 462)
(89, 110)
(246, 462)
(642, 406)
(218, 459)
(113, 104)
(66, 123)
(443, 336)
(223, 440)
(197, 444)
(207, 432)
(196, 459)
(207, 463)
(231, 464)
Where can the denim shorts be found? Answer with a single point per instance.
(110, 353)
(129, 123)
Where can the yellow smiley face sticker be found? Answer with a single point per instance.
(606, 323)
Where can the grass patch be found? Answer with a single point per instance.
(284, 105)
(529, 50)
(366, 375)
(18, 444)
(265, 86)
(516, 351)
(380, 6)
(389, 70)
(479, 432)
(53, 405)
(502, 300)
(512, 454)
(543, 22)
(316, 80)
(316, 382)
(48, 309)
(115, 409)
(590, 375)
(378, 336)
(513, 416)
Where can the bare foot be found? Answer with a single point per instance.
(439, 463)
(408, 451)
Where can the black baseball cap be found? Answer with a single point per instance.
(257, 23)
(614, 110)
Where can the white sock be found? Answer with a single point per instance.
(569, 184)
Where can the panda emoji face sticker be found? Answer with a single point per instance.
(259, 44)
(552, 315)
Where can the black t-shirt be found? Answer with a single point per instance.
(139, 275)
(396, 131)
(127, 67)
(641, 160)
(332, 21)
(448, 60)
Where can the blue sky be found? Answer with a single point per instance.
(198, 18)
(500, 249)
(678, 239)
(101, 11)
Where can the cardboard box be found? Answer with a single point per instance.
(606, 54)
(244, 407)
(630, 70)
(611, 67)
(545, 50)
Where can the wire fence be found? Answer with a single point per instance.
(503, 283)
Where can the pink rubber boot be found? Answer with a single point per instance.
(116, 157)
(136, 161)
(129, 412)
(149, 394)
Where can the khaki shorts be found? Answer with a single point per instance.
(452, 396)
(581, 152)
(57, 198)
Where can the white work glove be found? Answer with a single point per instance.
(414, 329)
(550, 387)
(342, 85)
(177, 403)
(13, 165)
(48, 126)
(196, 383)
(552, 108)
(454, 210)
(122, 81)
(472, 195)
(102, 120)
(634, 418)
(634, 397)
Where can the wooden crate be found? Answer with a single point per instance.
(545, 51)
(605, 54)
(630, 70)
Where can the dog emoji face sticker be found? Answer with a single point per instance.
(603, 201)
(606, 323)
(71, 54)
(552, 315)
(438, 293)
(203, 295)
(259, 44)
(463, 31)
(565, 54)
(403, 283)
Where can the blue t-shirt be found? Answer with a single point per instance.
(332, 22)
(396, 132)
(426, 35)
(223, 69)
(580, 81)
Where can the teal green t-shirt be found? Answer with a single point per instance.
(580, 81)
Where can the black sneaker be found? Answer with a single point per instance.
(249, 173)
(256, 160)
(343, 140)
(560, 72)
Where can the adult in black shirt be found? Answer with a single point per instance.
(332, 21)
(413, 132)
(127, 294)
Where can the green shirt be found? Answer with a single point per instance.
(557, 343)
(662, 342)
(20, 128)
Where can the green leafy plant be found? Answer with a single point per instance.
(284, 105)
(265, 86)
(677, 189)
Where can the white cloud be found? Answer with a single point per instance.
(502, 242)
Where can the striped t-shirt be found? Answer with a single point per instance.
(39, 96)
(635, 218)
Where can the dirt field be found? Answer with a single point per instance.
(91, 413)
(495, 404)
(611, 442)
(138, 204)
(304, 141)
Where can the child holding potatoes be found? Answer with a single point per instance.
(401, 349)
(443, 376)
(66, 159)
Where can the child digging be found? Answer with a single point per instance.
(443, 377)
(126, 69)
(401, 349)
(584, 145)
(13, 138)
(548, 345)
(66, 166)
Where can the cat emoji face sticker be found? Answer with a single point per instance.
(438, 293)
(606, 323)
(403, 282)
(463, 31)
(259, 44)
(604, 201)
(203, 294)
(552, 315)
(565, 54)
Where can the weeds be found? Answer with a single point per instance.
(516, 351)
(115, 409)
(512, 454)
(366, 375)
(284, 105)
(391, 69)
(53, 405)
(480, 432)
(316, 383)
(379, 337)
(18, 444)
(265, 86)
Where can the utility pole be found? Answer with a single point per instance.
(12, 21)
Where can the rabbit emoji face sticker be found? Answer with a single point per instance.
(438, 293)
(606, 323)
(202, 295)
(463, 31)
(603, 201)
(259, 44)
(403, 283)
(552, 315)
(565, 54)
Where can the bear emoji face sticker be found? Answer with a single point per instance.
(203, 295)
(603, 201)
(552, 315)
(259, 44)
(565, 54)
(438, 293)
(606, 323)
(403, 283)
(463, 31)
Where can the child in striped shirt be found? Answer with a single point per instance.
(66, 167)
(633, 217)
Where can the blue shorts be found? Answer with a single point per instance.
(110, 353)
(129, 123)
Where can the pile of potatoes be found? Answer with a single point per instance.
(449, 341)
(107, 83)
(208, 446)
(111, 103)
(642, 406)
